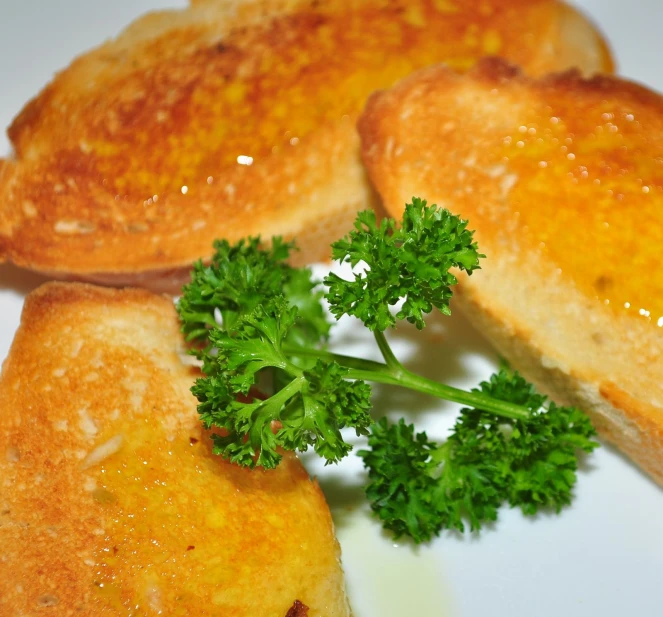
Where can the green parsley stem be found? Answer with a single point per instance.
(379, 372)
(412, 381)
(386, 351)
(347, 361)
(282, 396)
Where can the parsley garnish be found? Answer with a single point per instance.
(254, 320)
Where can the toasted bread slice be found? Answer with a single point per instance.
(111, 499)
(235, 118)
(562, 178)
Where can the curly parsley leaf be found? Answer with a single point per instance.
(419, 488)
(241, 277)
(327, 403)
(308, 411)
(411, 262)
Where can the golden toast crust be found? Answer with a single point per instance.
(236, 118)
(111, 497)
(561, 178)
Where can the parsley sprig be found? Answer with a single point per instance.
(418, 487)
(253, 320)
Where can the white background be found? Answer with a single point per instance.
(603, 556)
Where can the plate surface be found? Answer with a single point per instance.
(603, 556)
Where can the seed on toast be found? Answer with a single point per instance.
(229, 119)
(111, 497)
(562, 178)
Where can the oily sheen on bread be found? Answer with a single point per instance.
(111, 500)
(231, 118)
(562, 178)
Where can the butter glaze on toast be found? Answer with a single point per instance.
(126, 165)
(562, 178)
(110, 495)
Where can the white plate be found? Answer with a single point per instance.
(603, 556)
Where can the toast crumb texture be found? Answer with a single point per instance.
(562, 178)
(111, 498)
(226, 119)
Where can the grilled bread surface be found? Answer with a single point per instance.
(111, 500)
(562, 178)
(233, 118)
